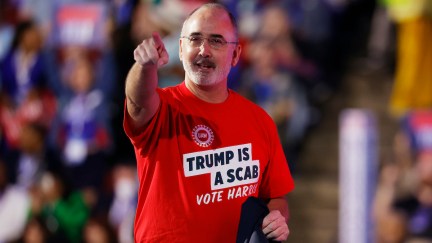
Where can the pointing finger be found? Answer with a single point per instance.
(160, 47)
(157, 40)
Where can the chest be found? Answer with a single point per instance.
(233, 150)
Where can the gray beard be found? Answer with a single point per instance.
(205, 79)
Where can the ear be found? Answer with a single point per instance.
(236, 55)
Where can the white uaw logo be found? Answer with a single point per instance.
(202, 135)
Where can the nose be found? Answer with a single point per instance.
(205, 49)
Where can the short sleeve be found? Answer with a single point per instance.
(277, 180)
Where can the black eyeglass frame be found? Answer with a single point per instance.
(208, 39)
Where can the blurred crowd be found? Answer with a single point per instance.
(403, 202)
(67, 170)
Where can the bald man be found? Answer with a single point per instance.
(201, 148)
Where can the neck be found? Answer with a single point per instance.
(216, 93)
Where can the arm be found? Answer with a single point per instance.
(275, 224)
(142, 100)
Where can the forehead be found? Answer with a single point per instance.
(209, 21)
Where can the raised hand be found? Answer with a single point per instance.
(151, 52)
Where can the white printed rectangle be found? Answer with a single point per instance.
(210, 161)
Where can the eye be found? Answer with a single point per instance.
(217, 41)
(195, 39)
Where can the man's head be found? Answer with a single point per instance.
(209, 45)
(214, 6)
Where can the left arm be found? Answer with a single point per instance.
(275, 224)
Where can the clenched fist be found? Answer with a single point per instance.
(275, 226)
(151, 52)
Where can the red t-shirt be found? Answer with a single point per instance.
(198, 162)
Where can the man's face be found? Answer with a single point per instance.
(208, 63)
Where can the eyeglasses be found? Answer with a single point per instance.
(214, 42)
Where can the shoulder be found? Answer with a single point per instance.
(248, 107)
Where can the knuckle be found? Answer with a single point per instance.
(270, 228)
(282, 220)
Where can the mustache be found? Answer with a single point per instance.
(204, 62)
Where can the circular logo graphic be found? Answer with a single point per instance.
(202, 135)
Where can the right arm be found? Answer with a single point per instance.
(142, 99)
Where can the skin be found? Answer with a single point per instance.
(206, 71)
(209, 84)
(81, 78)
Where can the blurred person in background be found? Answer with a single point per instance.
(32, 158)
(23, 69)
(403, 198)
(413, 78)
(416, 208)
(191, 119)
(273, 79)
(64, 211)
(25, 95)
(316, 28)
(82, 128)
(276, 27)
(123, 205)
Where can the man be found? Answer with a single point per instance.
(201, 149)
